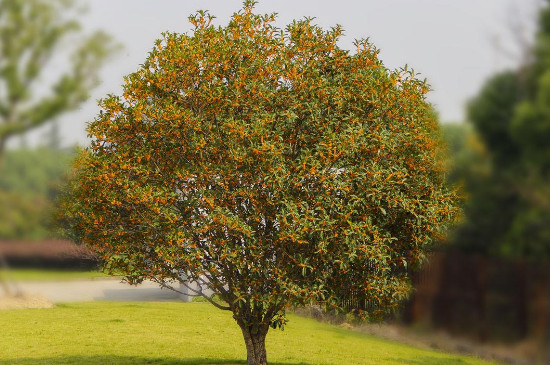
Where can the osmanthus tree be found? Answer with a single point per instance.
(267, 165)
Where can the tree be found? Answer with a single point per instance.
(492, 112)
(267, 165)
(493, 201)
(508, 209)
(32, 34)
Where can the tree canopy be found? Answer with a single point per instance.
(267, 165)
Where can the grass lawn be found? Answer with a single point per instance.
(185, 334)
(52, 275)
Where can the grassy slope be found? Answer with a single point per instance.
(184, 334)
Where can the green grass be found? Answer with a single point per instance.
(51, 275)
(185, 334)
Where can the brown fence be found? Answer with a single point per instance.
(52, 254)
(486, 299)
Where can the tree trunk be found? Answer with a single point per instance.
(3, 264)
(254, 339)
(2, 148)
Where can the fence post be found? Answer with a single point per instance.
(521, 297)
(480, 297)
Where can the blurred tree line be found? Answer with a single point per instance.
(502, 159)
(30, 184)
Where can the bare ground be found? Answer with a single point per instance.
(23, 301)
(525, 352)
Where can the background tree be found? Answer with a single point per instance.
(267, 165)
(32, 34)
(493, 201)
(508, 212)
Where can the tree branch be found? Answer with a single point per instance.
(198, 293)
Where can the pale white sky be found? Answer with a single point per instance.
(450, 42)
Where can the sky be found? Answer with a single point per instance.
(455, 44)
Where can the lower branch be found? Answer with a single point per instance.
(197, 293)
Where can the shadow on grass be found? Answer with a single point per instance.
(137, 360)
(127, 360)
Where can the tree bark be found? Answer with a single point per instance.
(2, 148)
(254, 339)
(3, 264)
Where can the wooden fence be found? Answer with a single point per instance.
(486, 299)
(52, 254)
